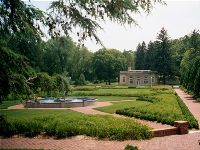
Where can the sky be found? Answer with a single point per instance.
(178, 17)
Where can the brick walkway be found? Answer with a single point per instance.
(193, 106)
(174, 142)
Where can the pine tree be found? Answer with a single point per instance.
(140, 56)
(164, 64)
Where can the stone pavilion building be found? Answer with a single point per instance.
(138, 77)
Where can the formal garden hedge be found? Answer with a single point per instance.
(165, 115)
(60, 124)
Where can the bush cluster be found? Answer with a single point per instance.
(161, 111)
(61, 126)
(133, 112)
(130, 147)
(163, 90)
(132, 87)
(115, 92)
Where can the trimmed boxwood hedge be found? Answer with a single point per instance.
(66, 123)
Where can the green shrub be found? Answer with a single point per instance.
(115, 92)
(132, 87)
(67, 123)
(165, 108)
(130, 147)
(113, 87)
(188, 115)
(148, 99)
(85, 88)
(6, 127)
(81, 80)
(132, 112)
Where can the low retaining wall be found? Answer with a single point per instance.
(180, 127)
(58, 104)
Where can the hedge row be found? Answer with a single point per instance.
(133, 112)
(193, 123)
(163, 115)
(65, 126)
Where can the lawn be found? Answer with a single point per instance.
(6, 104)
(121, 105)
(66, 123)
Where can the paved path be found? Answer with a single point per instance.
(174, 142)
(192, 104)
(91, 110)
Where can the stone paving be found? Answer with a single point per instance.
(189, 141)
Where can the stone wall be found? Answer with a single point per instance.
(58, 105)
(138, 78)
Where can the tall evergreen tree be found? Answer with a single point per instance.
(140, 56)
(150, 56)
(164, 64)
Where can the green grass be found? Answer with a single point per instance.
(66, 123)
(121, 105)
(6, 104)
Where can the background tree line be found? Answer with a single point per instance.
(172, 59)
(24, 55)
(33, 65)
(29, 64)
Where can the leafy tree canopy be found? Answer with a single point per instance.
(16, 16)
(86, 14)
(107, 63)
